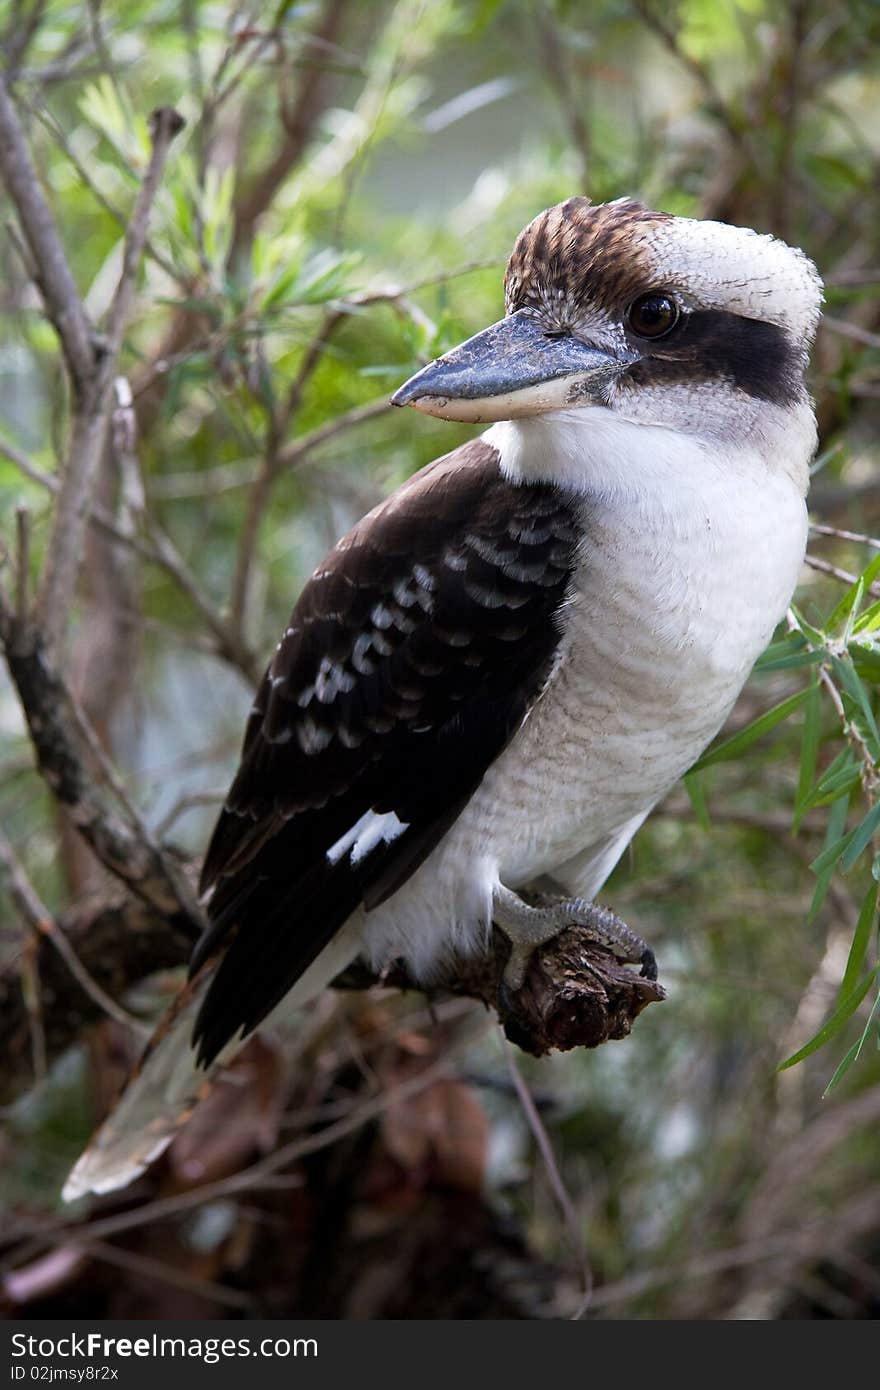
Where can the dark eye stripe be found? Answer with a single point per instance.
(758, 358)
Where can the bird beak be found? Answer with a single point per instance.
(510, 370)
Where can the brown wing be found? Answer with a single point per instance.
(412, 657)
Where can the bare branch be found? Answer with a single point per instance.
(838, 534)
(157, 549)
(294, 453)
(116, 836)
(845, 577)
(54, 276)
(89, 427)
(311, 100)
(852, 331)
(575, 993)
(40, 920)
(117, 944)
(656, 21)
(165, 123)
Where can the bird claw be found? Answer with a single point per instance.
(527, 928)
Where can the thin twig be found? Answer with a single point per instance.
(32, 994)
(294, 453)
(40, 920)
(22, 563)
(157, 549)
(261, 492)
(840, 535)
(712, 97)
(63, 757)
(560, 1192)
(145, 1265)
(851, 330)
(165, 123)
(88, 431)
(845, 577)
(54, 276)
(47, 120)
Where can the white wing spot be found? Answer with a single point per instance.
(312, 737)
(382, 617)
(359, 654)
(403, 594)
(455, 562)
(424, 578)
(365, 835)
(330, 680)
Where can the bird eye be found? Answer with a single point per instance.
(653, 315)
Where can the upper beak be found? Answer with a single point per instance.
(510, 370)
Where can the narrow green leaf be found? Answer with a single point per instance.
(732, 747)
(869, 620)
(825, 458)
(833, 1025)
(841, 1069)
(869, 1021)
(836, 823)
(860, 940)
(866, 661)
(793, 662)
(812, 634)
(786, 646)
(856, 1050)
(855, 688)
(861, 838)
(840, 776)
(854, 594)
(809, 749)
(693, 785)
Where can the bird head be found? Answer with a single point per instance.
(662, 320)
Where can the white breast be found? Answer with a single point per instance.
(688, 562)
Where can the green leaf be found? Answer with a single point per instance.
(869, 620)
(693, 785)
(854, 594)
(812, 634)
(844, 1011)
(856, 1049)
(866, 661)
(854, 687)
(732, 747)
(842, 775)
(809, 750)
(786, 646)
(842, 1068)
(836, 823)
(861, 838)
(860, 941)
(793, 662)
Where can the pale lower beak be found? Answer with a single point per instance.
(511, 370)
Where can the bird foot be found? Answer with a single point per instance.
(529, 927)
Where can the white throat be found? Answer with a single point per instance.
(601, 452)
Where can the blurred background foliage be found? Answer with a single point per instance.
(338, 211)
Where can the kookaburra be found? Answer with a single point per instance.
(497, 673)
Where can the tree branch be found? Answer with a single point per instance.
(89, 428)
(117, 944)
(115, 833)
(53, 274)
(575, 994)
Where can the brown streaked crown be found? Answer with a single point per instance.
(579, 251)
